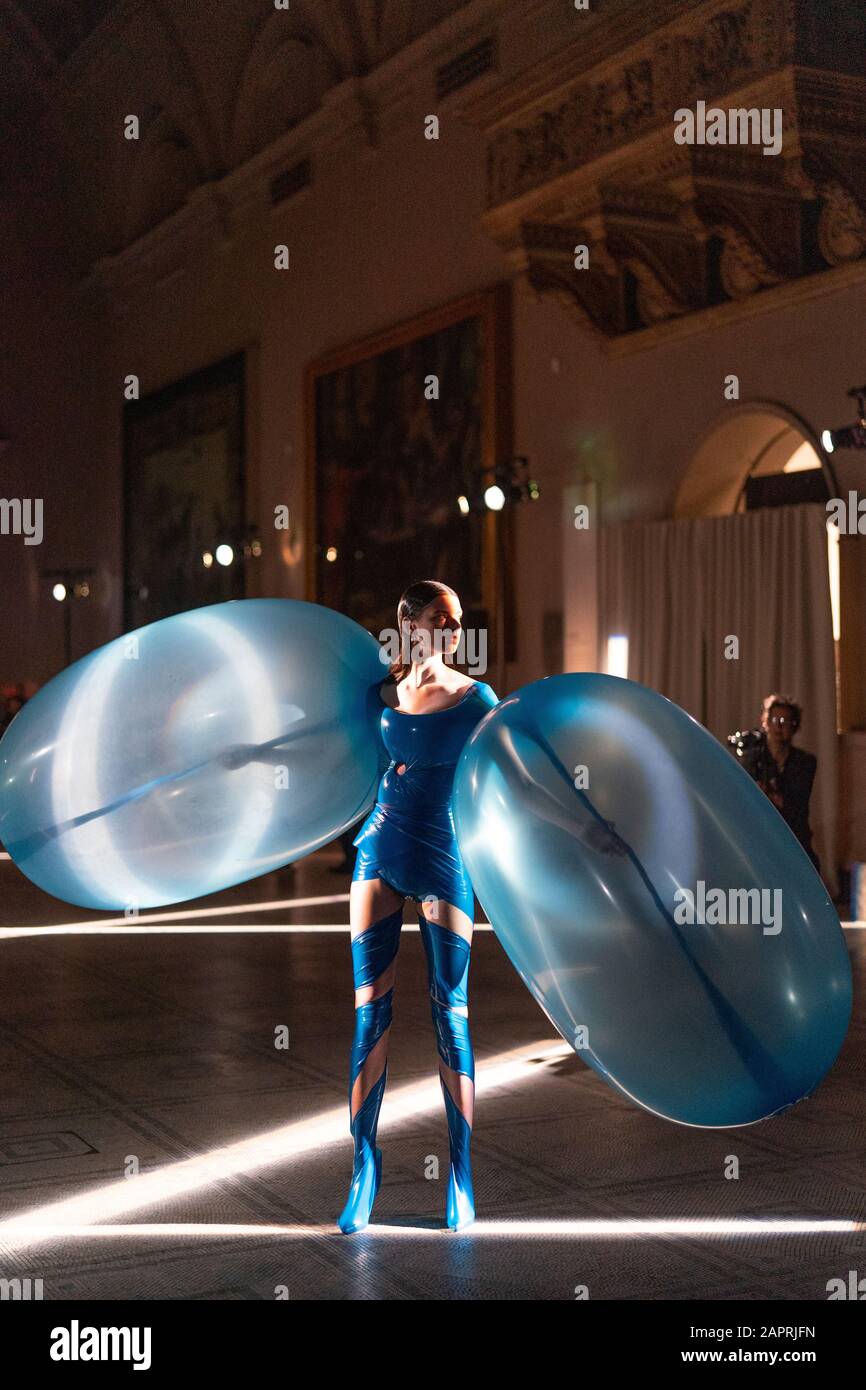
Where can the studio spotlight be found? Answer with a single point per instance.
(67, 585)
(848, 436)
(252, 545)
(494, 497)
(511, 483)
(518, 485)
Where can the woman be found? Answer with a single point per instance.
(407, 848)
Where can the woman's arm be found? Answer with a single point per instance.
(598, 834)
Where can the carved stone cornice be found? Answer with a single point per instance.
(742, 268)
(717, 51)
(841, 226)
(674, 229)
(546, 254)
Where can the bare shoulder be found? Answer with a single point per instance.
(482, 690)
(408, 701)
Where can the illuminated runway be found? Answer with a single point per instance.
(157, 1142)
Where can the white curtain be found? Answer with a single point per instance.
(678, 589)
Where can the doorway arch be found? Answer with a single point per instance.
(747, 440)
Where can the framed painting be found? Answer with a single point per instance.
(400, 426)
(183, 495)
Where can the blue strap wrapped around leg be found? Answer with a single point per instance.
(448, 973)
(371, 1021)
(373, 951)
(460, 1202)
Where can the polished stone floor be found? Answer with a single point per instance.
(155, 1143)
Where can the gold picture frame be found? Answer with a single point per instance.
(383, 465)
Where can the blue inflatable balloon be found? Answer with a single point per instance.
(653, 900)
(194, 753)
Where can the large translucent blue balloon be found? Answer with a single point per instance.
(653, 900)
(194, 753)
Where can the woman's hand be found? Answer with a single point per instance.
(603, 838)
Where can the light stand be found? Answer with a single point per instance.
(76, 585)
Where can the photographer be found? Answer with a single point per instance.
(784, 772)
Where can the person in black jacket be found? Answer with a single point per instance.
(784, 772)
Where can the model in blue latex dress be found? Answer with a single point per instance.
(407, 848)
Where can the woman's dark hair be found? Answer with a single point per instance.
(412, 601)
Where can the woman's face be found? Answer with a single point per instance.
(436, 629)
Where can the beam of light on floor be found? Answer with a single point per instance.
(574, 1228)
(151, 919)
(152, 926)
(187, 914)
(138, 928)
(277, 1146)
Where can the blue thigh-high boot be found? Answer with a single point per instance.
(373, 950)
(448, 972)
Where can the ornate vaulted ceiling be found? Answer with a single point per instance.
(213, 83)
(580, 138)
(38, 36)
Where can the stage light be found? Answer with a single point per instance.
(224, 554)
(519, 486)
(331, 553)
(835, 578)
(68, 584)
(494, 497)
(848, 436)
(252, 542)
(207, 559)
(617, 656)
(510, 483)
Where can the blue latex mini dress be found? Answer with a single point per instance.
(408, 839)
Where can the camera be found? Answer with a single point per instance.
(754, 741)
